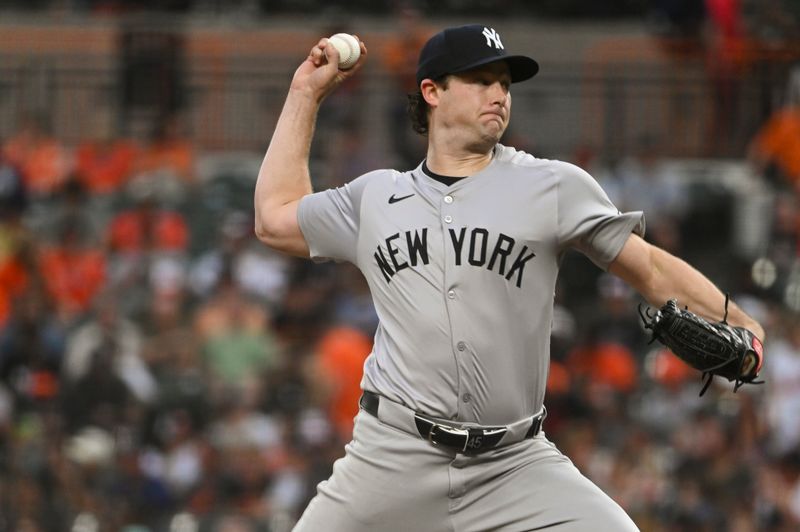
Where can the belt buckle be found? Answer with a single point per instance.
(536, 426)
(449, 430)
(479, 437)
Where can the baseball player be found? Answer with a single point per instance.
(461, 255)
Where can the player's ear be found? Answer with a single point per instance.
(430, 91)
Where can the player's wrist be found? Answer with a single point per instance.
(304, 95)
(756, 329)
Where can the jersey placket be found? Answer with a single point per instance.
(448, 215)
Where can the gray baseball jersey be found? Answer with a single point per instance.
(463, 276)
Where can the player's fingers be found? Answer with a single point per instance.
(361, 45)
(318, 52)
(331, 53)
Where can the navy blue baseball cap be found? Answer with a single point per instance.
(458, 49)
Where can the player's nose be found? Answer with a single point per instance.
(498, 92)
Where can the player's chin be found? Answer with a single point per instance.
(494, 127)
(483, 144)
(492, 135)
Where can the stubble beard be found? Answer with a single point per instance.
(487, 139)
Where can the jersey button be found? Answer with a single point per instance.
(451, 294)
(448, 218)
(448, 199)
(466, 397)
(461, 346)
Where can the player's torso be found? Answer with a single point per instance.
(463, 278)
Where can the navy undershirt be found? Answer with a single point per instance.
(446, 180)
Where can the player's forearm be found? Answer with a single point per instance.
(284, 175)
(673, 278)
(659, 276)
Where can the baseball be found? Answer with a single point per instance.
(348, 47)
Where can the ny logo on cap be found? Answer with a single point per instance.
(492, 37)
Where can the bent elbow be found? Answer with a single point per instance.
(266, 232)
(278, 229)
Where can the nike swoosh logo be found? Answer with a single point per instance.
(392, 199)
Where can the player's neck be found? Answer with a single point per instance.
(456, 163)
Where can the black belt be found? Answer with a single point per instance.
(469, 440)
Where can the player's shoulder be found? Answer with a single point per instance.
(370, 184)
(381, 173)
(519, 158)
(380, 176)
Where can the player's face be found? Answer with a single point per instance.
(477, 104)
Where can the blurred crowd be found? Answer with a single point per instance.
(668, 15)
(379, 7)
(161, 370)
(158, 366)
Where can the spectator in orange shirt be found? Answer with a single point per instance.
(167, 162)
(147, 227)
(42, 159)
(169, 151)
(606, 363)
(338, 367)
(104, 162)
(73, 272)
(776, 145)
(147, 252)
(668, 370)
(17, 274)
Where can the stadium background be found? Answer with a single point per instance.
(162, 371)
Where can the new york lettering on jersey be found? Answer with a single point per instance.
(476, 247)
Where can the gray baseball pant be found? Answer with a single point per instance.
(391, 480)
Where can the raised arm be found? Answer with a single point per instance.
(284, 176)
(659, 276)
